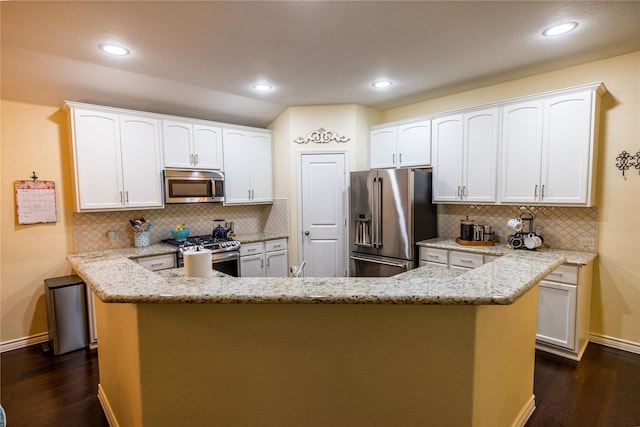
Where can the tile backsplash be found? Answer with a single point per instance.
(561, 227)
(90, 229)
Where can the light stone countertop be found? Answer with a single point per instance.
(573, 257)
(115, 278)
(258, 237)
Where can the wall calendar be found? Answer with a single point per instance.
(35, 201)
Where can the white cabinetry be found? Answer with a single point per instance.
(465, 157)
(464, 261)
(191, 145)
(117, 159)
(564, 301)
(264, 259)
(158, 262)
(434, 257)
(548, 149)
(401, 145)
(248, 163)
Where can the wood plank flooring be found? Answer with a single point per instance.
(603, 390)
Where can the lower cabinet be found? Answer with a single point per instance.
(158, 262)
(564, 304)
(264, 259)
(564, 300)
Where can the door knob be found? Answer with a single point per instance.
(306, 233)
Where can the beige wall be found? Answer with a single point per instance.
(32, 140)
(615, 308)
(352, 121)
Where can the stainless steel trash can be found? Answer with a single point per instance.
(66, 313)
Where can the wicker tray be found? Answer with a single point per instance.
(473, 243)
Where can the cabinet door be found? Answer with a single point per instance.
(566, 149)
(141, 161)
(252, 266)
(237, 170)
(177, 141)
(447, 162)
(521, 152)
(414, 144)
(557, 314)
(276, 264)
(261, 167)
(480, 156)
(96, 145)
(207, 147)
(383, 148)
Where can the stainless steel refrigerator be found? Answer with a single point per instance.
(390, 210)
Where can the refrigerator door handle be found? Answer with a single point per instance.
(399, 264)
(374, 217)
(379, 213)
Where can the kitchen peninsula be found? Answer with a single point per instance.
(427, 347)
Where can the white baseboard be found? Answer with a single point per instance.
(108, 412)
(525, 412)
(620, 344)
(24, 342)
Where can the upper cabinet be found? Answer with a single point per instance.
(401, 145)
(248, 159)
(465, 148)
(537, 150)
(117, 159)
(548, 149)
(190, 145)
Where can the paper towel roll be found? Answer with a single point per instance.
(197, 263)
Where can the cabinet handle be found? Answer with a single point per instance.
(393, 159)
(121, 197)
(268, 262)
(197, 159)
(465, 193)
(126, 196)
(542, 193)
(252, 194)
(400, 160)
(191, 158)
(535, 192)
(261, 263)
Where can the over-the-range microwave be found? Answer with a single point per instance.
(193, 186)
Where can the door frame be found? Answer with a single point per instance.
(347, 187)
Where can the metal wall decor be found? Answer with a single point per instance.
(321, 136)
(626, 161)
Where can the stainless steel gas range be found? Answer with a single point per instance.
(225, 253)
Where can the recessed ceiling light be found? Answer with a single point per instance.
(381, 84)
(114, 49)
(262, 87)
(559, 29)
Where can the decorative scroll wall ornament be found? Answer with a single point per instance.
(626, 161)
(321, 136)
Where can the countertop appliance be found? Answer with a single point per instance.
(193, 186)
(225, 253)
(391, 209)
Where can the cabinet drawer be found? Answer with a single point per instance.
(465, 259)
(432, 255)
(158, 262)
(564, 274)
(252, 249)
(275, 245)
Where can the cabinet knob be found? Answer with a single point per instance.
(306, 232)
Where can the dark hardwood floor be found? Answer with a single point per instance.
(46, 390)
(602, 390)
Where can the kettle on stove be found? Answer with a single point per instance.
(219, 232)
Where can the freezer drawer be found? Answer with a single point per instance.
(376, 266)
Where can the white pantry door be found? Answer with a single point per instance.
(323, 214)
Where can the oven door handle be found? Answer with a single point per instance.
(224, 256)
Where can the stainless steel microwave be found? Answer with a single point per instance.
(193, 186)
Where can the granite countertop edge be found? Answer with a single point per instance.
(115, 277)
(573, 257)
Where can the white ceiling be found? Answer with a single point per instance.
(200, 59)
